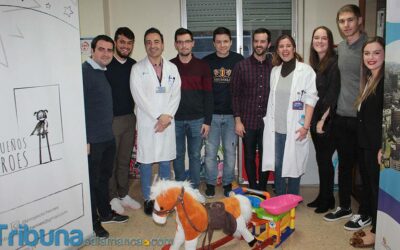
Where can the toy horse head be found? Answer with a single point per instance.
(167, 195)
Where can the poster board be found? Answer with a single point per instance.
(43, 171)
(388, 217)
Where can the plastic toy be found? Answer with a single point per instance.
(273, 218)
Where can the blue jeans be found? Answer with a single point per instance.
(222, 128)
(190, 129)
(293, 184)
(164, 172)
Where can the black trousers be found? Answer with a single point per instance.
(369, 170)
(345, 137)
(324, 148)
(101, 159)
(253, 140)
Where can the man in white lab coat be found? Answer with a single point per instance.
(155, 86)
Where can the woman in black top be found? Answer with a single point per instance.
(323, 60)
(369, 116)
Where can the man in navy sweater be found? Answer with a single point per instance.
(221, 64)
(118, 74)
(193, 118)
(100, 138)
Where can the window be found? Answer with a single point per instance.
(241, 17)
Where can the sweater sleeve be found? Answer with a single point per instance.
(333, 90)
(236, 90)
(208, 95)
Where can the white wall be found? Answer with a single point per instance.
(99, 17)
(91, 18)
(317, 13)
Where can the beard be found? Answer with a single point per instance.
(122, 55)
(260, 52)
(185, 53)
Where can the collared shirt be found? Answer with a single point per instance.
(95, 65)
(158, 69)
(250, 91)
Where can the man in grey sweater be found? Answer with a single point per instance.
(345, 122)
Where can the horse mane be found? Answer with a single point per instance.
(161, 186)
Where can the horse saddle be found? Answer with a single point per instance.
(219, 218)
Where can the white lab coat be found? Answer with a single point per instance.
(149, 105)
(296, 152)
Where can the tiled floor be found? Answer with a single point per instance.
(312, 232)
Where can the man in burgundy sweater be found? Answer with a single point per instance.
(193, 118)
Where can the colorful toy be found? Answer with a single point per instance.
(192, 217)
(274, 217)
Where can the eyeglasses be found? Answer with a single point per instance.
(184, 42)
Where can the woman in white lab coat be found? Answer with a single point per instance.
(291, 102)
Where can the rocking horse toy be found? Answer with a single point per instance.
(193, 218)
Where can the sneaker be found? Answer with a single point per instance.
(148, 207)
(99, 231)
(210, 191)
(127, 201)
(114, 218)
(199, 197)
(116, 206)
(227, 190)
(340, 213)
(357, 222)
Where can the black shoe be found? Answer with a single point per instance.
(340, 213)
(324, 206)
(357, 222)
(100, 231)
(227, 190)
(114, 218)
(148, 207)
(314, 203)
(210, 191)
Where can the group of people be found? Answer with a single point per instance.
(270, 102)
(347, 118)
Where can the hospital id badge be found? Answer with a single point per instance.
(298, 105)
(160, 90)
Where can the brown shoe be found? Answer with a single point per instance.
(358, 242)
(360, 233)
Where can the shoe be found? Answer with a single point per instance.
(127, 201)
(114, 218)
(314, 203)
(340, 213)
(358, 234)
(148, 207)
(227, 190)
(99, 231)
(210, 191)
(358, 242)
(117, 206)
(357, 222)
(200, 198)
(324, 207)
